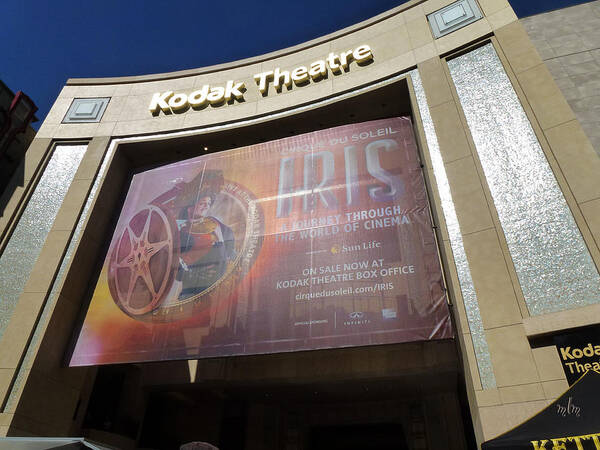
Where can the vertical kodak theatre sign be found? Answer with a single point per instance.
(169, 101)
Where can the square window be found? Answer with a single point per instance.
(86, 110)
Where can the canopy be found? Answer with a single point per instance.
(570, 422)
(44, 443)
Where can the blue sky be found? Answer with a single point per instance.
(46, 42)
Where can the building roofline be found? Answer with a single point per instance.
(247, 61)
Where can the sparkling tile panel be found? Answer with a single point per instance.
(54, 292)
(554, 266)
(27, 240)
(482, 353)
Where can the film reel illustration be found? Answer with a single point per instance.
(172, 258)
(142, 262)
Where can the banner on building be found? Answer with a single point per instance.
(579, 352)
(315, 241)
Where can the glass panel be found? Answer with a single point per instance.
(554, 266)
(54, 292)
(29, 236)
(484, 362)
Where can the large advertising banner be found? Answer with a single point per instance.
(315, 241)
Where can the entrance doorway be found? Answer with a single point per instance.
(405, 396)
(365, 415)
(386, 436)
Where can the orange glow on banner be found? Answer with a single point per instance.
(316, 241)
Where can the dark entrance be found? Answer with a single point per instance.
(365, 415)
(358, 437)
(405, 396)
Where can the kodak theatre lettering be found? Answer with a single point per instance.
(579, 352)
(169, 102)
(571, 359)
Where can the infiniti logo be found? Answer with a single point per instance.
(357, 318)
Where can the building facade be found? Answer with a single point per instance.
(511, 183)
(572, 54)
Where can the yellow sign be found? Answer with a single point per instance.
(564, 443)
(170, 102)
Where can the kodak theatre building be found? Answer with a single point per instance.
(383, 238)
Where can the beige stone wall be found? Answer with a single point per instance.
(568, 40)
(399, 39)
(49, 393)
(518, 385)
(527, 379)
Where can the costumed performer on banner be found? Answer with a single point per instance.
(207, 245)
